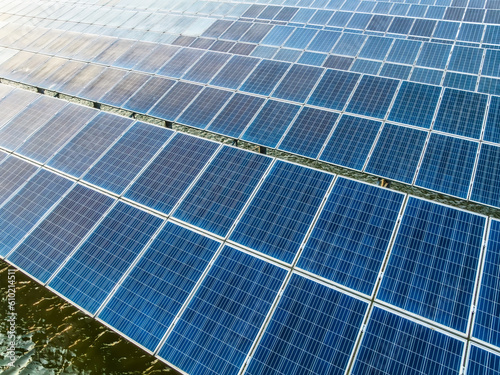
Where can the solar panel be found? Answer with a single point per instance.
(52, 241)
(116, 169)
(124, 89)
(265, 77)
(351, 142)
(393, 344)
(206, 67)
(35, 115)
(434, 55)
(334, 89)
(148, 300)
(98, 264)
(20, 72)
(234, 72)
(278, 217)
(37, 76)
(220, 193)
(165, 180)
(447, 165)
(433, 263)
(180, 62)
(175, 101)
(308, 312)
(14, 103)
(85, 76)
(15, 172)
(271, 123)
(62, 75)
(97, 88)
(466, 59)
(85, 148)
(461, 113)
(152, 62)
(130, 58)
(148, 94)
(397, 153)
(486, 179)
(298, 83)
(308, 132)
(482, 362)
(21, 212)
(114, 51)
(206, 105)
(244, 288)
(43, 143)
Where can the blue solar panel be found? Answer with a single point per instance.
(487, 319)
(175, 101)
(461, 113)
(233, 119)
(44, 250)
(15, 102)
(432, 268)
(491, 65)
(86, 147)
(447, 165)
(147, 302)
(482, 362)
(298, 83)
(334, 89)
(415, 104)
(86, 75)
(124, 89)
(147, 96)
(278, 35)
(97, 88)
(165, 180)
(434, 55)
(295, 341)
(234, 72)
(14, 133)
(14, 172)
(113, 52)
(460, 81)
(366, 66)
(424, 75)
(217, 198)
(466, 59)
(487, 179)
(300, 38)
(324, 41)
(397, 153)
(492, 128)
(61, 128)
(264, 77)
(206, 67)
(279, 215)
(256, 33)
(94, 269)
(120, 164)
(271, 123)
(308, 132)
(349, 44)
(154, 61)
(21, 212)
(365, 103)
(395, 345)
(204, 107)
(351, 142)
(216, 331)
(376, 48)
(351, 236)
(180, 63)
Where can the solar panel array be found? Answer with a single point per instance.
(220, 260)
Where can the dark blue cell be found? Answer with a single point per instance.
(487, 179)
(482, 361)
(334, 89)
(492, 129)
(434, 55)
(165, 180)
(460, 81)
(175, 101)
(265, 77)
(204, 107)
(351, 142)
(491, 65)
(466, 59)
(298, 83)
(433, 263)
(404, 51)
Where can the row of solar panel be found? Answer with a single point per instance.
(315, 133)
(85, 244)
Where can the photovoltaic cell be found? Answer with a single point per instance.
(482, 362)
(147, 95)
(44, 250)
(97, 88)
(59, 78)
(224, 316)
(130, 58)
(94, 269)
(466, 59)
(21, 212)
(85, 76)
(219, 195)
(124, 89)
(433, 263)
(14, 172)
(121, 163)
(365, 103)
(114, 51)
(28, 121)
(234, 72)
(487, 179)
(404, 51)
(461, 113)
(397, 153)
(180, 63)
(415, 104)
(62, 127)
(492, 128)
(147, 302)
(351, 142)
(265, 76)
(393, 344)
(349, 44)
(334, 89)
(352, 234)
(86, 147)
(154, 61)
(204, 107)
(309, 132)
(487, 319)
(313, 330)
(281, 212)
(164, 181)
(271, 123)
(298, 83)
(434, 55)
(14, 103)
(235, 116)
(175, 101)
(206, 67)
